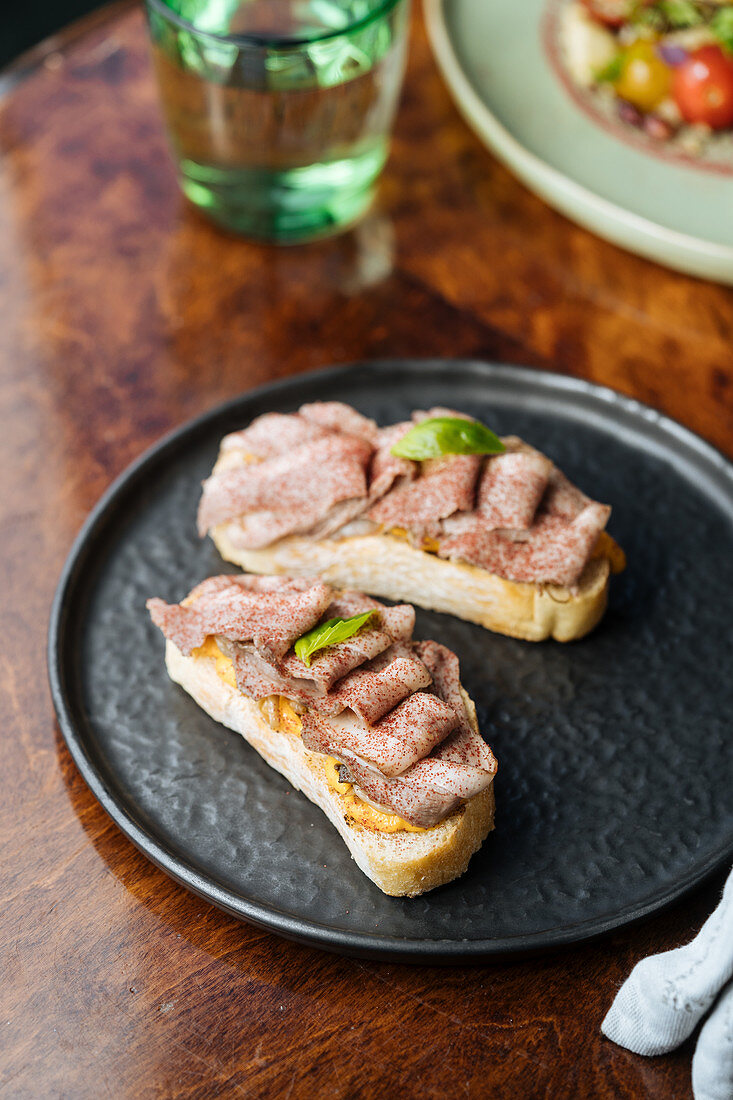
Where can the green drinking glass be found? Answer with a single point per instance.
(279, 111)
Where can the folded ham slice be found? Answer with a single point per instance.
(445, 674)
(259, 678)
(333, 663)
(391, 746)
(562, 498)
(418, 805)
(370, 691)
(553, 550)
(461, 766)
(374, 689)
(335, 416)
(274, 434)
(297, 489)
(272, 617)
(334, 521)
(446, 485)
(432, 788)
(398, 620)
(247, 582)
(388, 470)
(390, 624)
(512, 485)
(465, 747)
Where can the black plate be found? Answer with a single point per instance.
(615, 762)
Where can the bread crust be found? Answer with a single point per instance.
(401, 864)
(387, 566)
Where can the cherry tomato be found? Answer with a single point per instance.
(612, 13)
(703, 87)
(645, 79)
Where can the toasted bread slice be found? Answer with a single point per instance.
(386, 565)
(400, 863)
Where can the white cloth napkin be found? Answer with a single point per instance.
(665, 996)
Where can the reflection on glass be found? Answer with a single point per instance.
(279, 111)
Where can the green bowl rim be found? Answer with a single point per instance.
(604, 217)
(263, 41)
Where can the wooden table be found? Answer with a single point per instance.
(122, 314)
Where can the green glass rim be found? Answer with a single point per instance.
(264, 41)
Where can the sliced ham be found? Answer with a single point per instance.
(445, 673)
(335, 416)
(512, 485)
(299, 486)
(259, 678)
(274, 434)
(248, 582)
(398, 620)
(446, 485)
(349, 602)
(371, 690)
(259, 529)
(396, 743)
(461, 767)
(272, 619)
(256, 530)
(389, 624)
(212, 586)
(328, 472)
(338, 517)
(374, 689)
(430, 790)
(331, 664)
(340, 418)
(552, 550)
(562, 498)
(470, 754)
(232, 608)
(388, 470)
(363, 701)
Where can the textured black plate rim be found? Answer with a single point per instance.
(546, 384)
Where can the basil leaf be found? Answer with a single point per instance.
(329, 633)
(610, 72)
(447, 435)
(722, 27)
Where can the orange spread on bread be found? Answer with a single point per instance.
(606, 547)
(285, 720)
(361, 812)
(288, 720)
(430, 546)
(224, 666)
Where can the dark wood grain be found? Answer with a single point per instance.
(121, 314)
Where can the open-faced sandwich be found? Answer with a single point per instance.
(329, 687)
(437, 511)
